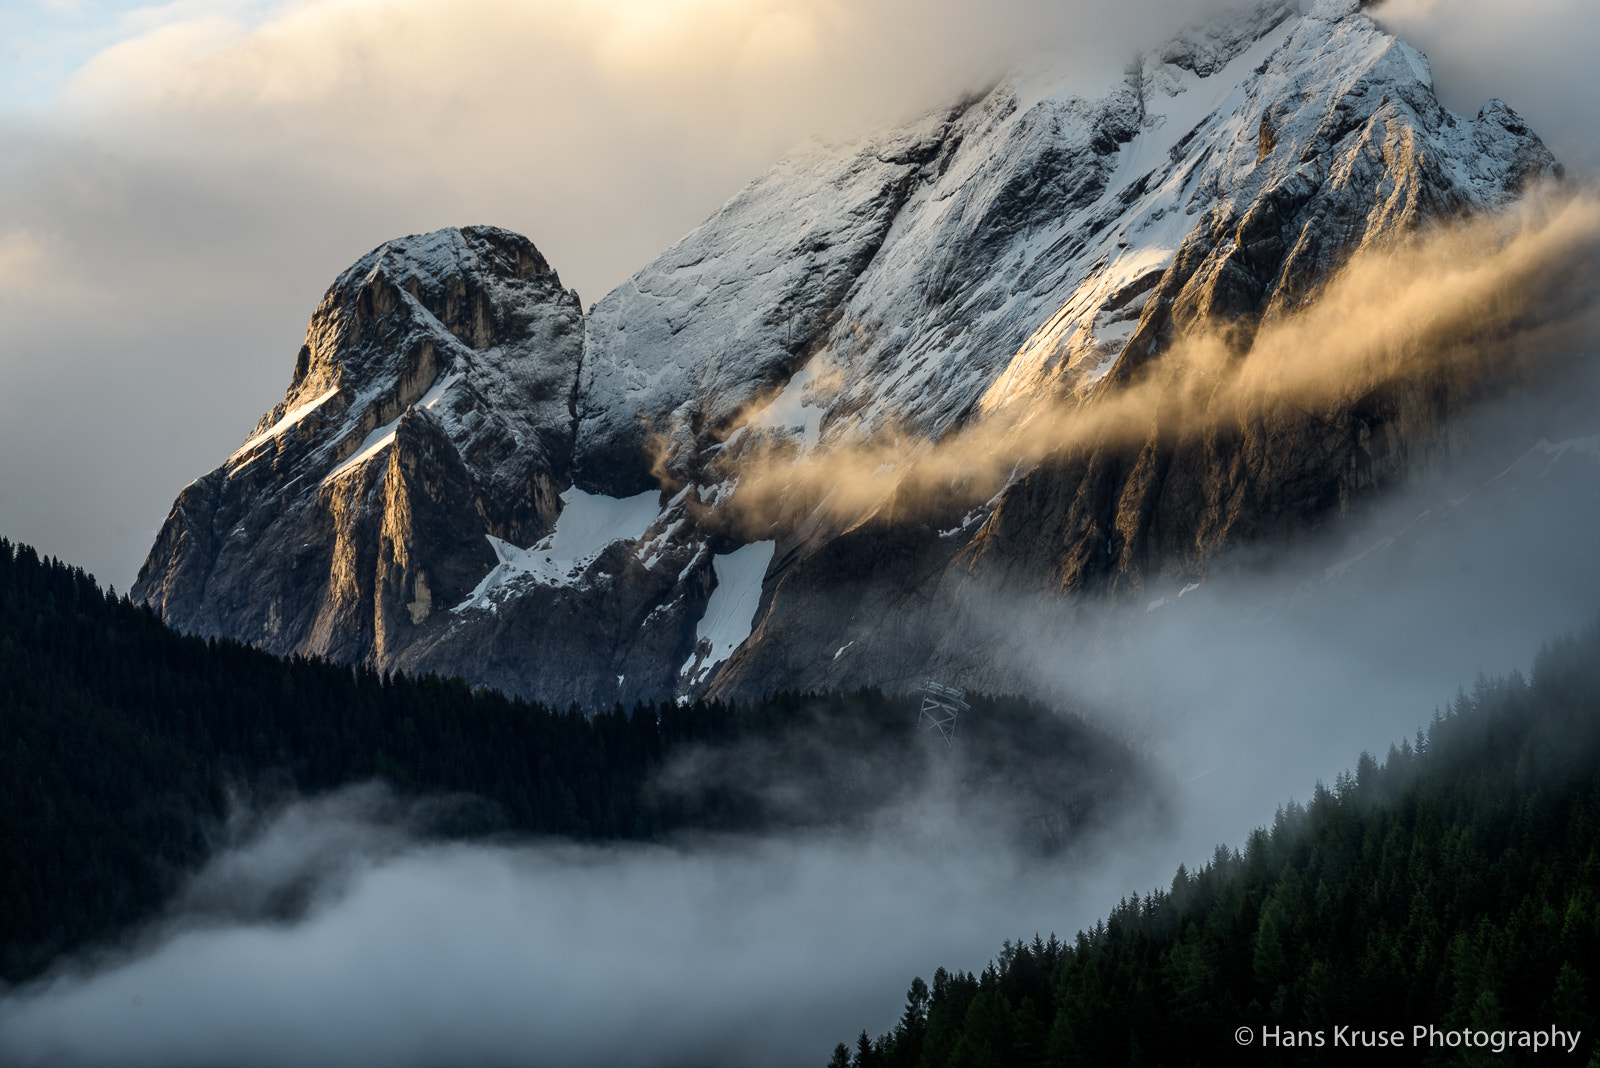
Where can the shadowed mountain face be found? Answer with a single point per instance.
(469, 475)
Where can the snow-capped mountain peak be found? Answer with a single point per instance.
(454, 418)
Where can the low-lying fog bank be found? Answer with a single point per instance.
(725, 951)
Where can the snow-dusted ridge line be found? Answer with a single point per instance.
(715, 317)
(698, 336)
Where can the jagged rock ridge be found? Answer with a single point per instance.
(431, 405)
(469, 475)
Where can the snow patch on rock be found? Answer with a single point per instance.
(383, 436)
(589, 523)
(731, 612)
(294, 416)
(798, 409)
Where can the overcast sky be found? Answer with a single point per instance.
(180, 182)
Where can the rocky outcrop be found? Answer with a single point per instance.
(431, 405)
(469, 475)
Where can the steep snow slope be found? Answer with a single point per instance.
(454, 419)
(1013, 244)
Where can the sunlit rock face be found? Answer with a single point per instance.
(430, 406)
(469, 475)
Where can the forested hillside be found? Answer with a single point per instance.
(120, 739)
(1456, 884)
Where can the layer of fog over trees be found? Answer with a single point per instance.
(1243, 692)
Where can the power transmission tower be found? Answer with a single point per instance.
(941, 705)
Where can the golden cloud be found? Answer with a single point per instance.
(1473, 299)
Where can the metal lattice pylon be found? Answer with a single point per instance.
(941, 705)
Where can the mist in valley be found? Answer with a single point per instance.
(1280, 668)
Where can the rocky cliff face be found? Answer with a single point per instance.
(431, 406)
(469, 475)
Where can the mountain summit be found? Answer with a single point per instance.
(469, 475)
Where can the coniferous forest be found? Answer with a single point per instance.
(1454, 884)
(122, 741)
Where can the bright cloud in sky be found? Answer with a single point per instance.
(44, 43)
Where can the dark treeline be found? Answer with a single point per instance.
(1456, 883)
(119, 740)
